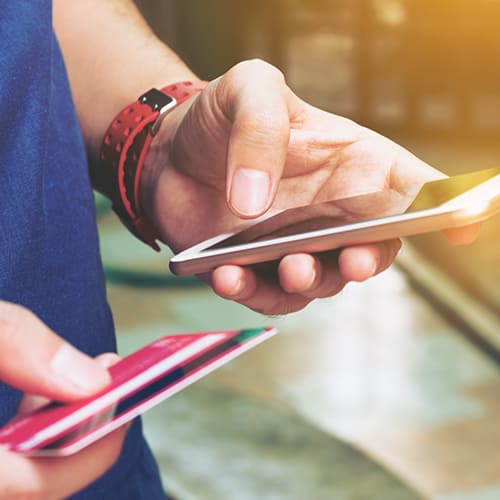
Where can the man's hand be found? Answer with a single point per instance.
(247, 144)
(36, 360)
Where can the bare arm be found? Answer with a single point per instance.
(112, 57)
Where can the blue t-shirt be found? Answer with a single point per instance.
(49, 255)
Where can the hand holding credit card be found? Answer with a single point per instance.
(139, 382)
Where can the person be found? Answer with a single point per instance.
(243, 144)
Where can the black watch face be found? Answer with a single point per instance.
(156, 99)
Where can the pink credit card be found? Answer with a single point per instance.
(138, 382)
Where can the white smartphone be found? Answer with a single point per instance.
(443, 204)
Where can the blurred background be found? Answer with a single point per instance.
(390, 390)
(400, 66)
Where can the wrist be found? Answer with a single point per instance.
(108, 105)
(125, 148)
(157, 159)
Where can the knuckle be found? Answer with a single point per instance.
(252, 70)
(258, 67)
(11, 316)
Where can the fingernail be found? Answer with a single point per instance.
(312, 281)
(236, 289)
(78, 370)
(374, 266)
(249, 191)
(371, 268)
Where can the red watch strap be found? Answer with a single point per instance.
(124, 150)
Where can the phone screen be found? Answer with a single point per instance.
(361, 208)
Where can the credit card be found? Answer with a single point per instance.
(138, 382)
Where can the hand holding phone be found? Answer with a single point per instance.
(438, 205)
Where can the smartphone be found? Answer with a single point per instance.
(442, 204)
(138, 382)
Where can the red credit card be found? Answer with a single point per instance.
(138, 382)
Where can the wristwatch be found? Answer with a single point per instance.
(124, 149)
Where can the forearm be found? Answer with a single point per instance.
(112, 56)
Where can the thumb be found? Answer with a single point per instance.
(35, 360)
(255, 97)
(30, 402)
